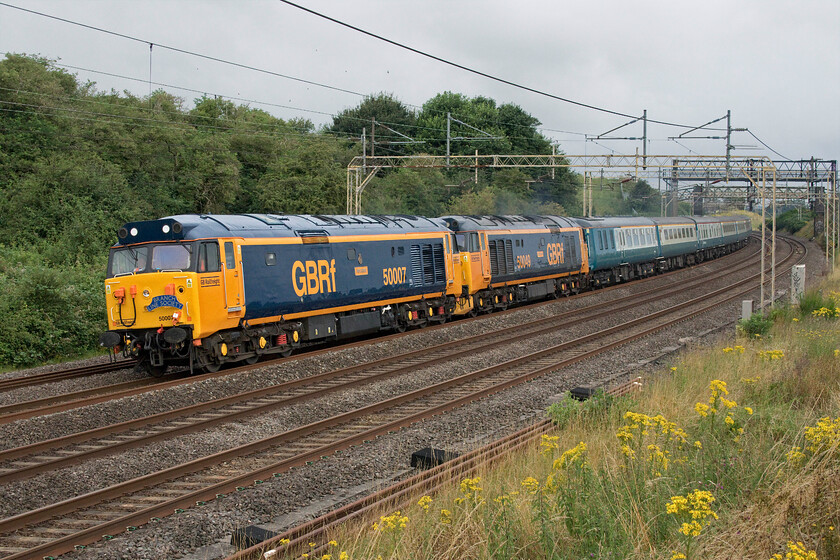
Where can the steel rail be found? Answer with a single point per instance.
(406, 363)
(9, 383)
(209, 492)
(400, 494)
(69, 401)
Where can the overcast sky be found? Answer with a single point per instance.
(775, 64)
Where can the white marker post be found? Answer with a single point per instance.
(797, 283)
(746, 309)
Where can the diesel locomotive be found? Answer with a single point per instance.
(203, 290)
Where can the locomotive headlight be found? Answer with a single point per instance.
(165, 228)
(133, 232)
(146, 293)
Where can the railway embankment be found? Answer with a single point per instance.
(731, 452)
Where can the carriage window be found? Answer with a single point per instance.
(600, 240)
(208, 258)
(612, 238)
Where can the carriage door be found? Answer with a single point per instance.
(233, 280)
(485, 256)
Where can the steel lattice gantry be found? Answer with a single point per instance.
(759, 179)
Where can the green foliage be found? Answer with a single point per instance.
(757, 325)
(384, 108)
(813, 300)
(791, 221)
(77, 163)
(597, 408)
(47, 312)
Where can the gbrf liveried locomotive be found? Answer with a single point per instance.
(202, 290)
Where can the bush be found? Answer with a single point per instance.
(756, 325)
(813, 300)
(48, 313)
(596, 408)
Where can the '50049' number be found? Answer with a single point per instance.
(392, 276)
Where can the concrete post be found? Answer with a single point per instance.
(797, 283)
(746, 309)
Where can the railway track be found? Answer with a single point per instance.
(10, 383)
(137, 501)
(69, 401)
(24, 462)
(400, 495)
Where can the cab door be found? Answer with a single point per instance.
(485, 257)
(231, 274)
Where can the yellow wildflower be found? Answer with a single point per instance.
(698, 445)
(548, 444)
(824, 436)
(333, 543)
(445, 517)
(531, 484)
(425, 502)
(391, 523)
(796, 551)
(696, 508)
(678, 556)
(727, 350)
(571, 456)
(343, 556)
(795, 456)
(702, 409)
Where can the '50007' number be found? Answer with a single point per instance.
(392, 276)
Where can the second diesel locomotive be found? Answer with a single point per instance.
(202, 290)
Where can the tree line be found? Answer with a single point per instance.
(76, 163)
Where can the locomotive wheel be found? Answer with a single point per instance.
(207, 363)
(400, 327)
(251, 360)
(286, 353)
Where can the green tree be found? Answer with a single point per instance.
(382, 107)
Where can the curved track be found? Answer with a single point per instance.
(69, 401)
(137, 501)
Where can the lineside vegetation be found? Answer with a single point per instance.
(734, 452)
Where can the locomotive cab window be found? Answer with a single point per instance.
(172, 257)
(208, 258)
(128, 260)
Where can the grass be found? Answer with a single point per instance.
(731, 453)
